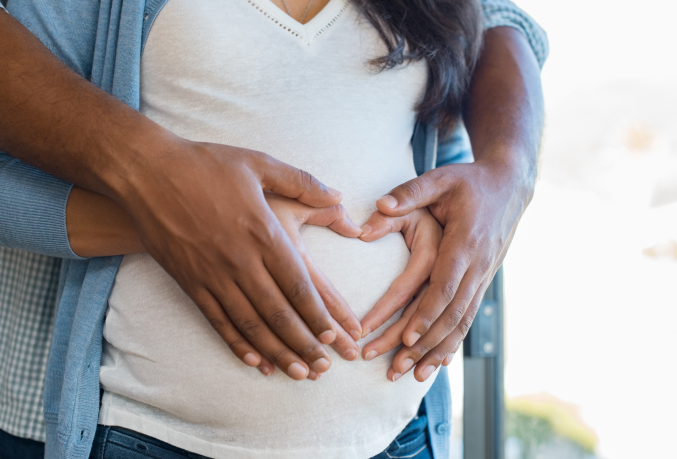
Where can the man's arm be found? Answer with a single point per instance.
(231, 257)
(479, 204)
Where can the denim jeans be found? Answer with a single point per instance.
(118, 443)
(12, 447)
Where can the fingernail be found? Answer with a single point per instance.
(313, 376)
(406, 365)
(366, 229)
(427, 371)
(365, 332)
(251, 360)
(321, 365)
(265, 370)
(327, 337)
(297, 371)
(370, 355)
(351, 354)
(396, 376)
(356, 335)
(388, 201)
(448, 359)
(413, 337)
(334, 192)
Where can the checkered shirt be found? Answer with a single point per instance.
(28, 285)
(504, 13)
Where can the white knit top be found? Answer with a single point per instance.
(243, 73)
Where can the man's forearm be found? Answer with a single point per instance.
(504, 107)
(67, 127)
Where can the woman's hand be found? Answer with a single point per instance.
(292, 215)
(422, 234)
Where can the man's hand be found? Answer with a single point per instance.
(479, 210)
(201, 213)
(479, 205)
(198, 208)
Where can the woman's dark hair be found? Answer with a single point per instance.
(446, 33)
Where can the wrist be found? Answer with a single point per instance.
(511, 168)
(133, 158)
(97, 226)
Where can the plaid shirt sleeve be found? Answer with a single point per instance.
(504, 13)
(28, 288)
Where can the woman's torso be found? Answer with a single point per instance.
(241, 72)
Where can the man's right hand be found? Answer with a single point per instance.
(198, 208)
(201, 213)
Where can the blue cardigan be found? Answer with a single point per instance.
(103, 42)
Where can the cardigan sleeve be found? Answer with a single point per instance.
(504, 13)
(33, 210)
(33, 203)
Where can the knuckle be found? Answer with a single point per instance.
(309, 351)
(236, 344)
(472, 243)
(306, 179)
(485, 263)
(420, 350)
(464, 326)
(448, 291)
(278, 357)
(413, 189)
(298, 291)
(341, 342)
(250, 328)
(281, 319)
(422, 321)
(473, 309)
(217, 323)
(332, 300)
(453, 319)
(262, 232)
(438, 356)
(400, 297)
(465, 298)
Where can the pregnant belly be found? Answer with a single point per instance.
(162, 361)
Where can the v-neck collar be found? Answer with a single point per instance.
(311, 30)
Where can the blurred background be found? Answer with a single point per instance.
(591, 277)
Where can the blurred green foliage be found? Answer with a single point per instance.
(539, 422)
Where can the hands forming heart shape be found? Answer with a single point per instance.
(422, 234)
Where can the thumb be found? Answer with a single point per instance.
(415, 194)
(288, 181)
(335, 218)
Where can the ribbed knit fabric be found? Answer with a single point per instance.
(33, 210)
(502, 13)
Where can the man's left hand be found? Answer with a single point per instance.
(479, 205)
